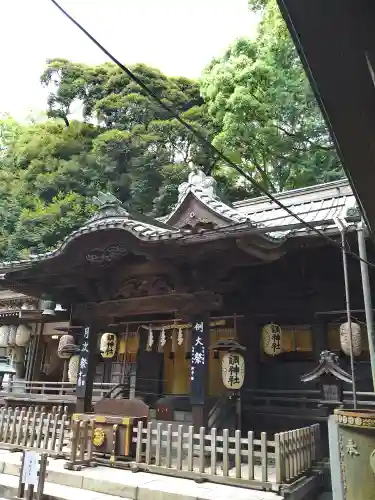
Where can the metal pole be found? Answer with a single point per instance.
(367, 297)
(348, 313)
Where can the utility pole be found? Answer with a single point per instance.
(361, 228)
(342, 226)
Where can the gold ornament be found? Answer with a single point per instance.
(98, 437)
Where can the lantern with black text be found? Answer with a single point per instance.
(108, 344)
(272, 339)
(233, 370)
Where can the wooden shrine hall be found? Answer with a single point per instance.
(163, 292)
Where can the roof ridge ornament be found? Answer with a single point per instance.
(198, 180)
(109, 206)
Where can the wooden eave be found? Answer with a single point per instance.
(336, 43)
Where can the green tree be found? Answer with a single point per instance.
(125, 144)
(261, 102)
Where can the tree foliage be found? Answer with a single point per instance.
(265, 110)
(124, 143)
(104, 132)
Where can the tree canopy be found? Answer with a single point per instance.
(268, 119)
(254, 103)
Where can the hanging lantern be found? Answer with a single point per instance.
(4, 335)
(271, 338)
(23, 334)
(12, 335)
(356, 339)
(233, 370)
(66, 344)
(108, 344)
(73, 368)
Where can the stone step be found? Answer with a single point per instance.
(9, 486)
(105, 483)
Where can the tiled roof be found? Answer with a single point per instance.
(204, 189)
(314, 204)
(109, 217)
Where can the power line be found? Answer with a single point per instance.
(207, 143)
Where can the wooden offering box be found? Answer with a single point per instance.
(114, 420)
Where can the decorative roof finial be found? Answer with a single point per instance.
(109, 206)
(198, 180)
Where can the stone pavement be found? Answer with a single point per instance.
(104, 483)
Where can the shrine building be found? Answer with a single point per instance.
(153, 297)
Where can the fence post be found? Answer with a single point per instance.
(213, 450)
(225, 452)
(237, 453)
(202, 431)
(263, 450)
(169, 446)
(158, 443)
(291, 455)
(148, 443)
(138, 451)
(250, 454)
(42, 476)
(26, 431)
(180, 440)
(278, 458)
(190, 448)
(8, 416)
(14, 425)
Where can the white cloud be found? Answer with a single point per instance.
(178, 36)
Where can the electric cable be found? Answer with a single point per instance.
(207, 143)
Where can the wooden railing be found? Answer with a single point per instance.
(219, 457)
(300, 404)
(262, 463)
(16, 387)
(33, 428)
(296, 451)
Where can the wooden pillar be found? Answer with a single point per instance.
(200, 339)
(86, 369)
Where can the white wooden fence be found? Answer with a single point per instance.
(215, 456)
(256, 463)
(33, 428)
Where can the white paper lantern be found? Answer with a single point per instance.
(356, 339)
(23, 334)
(12, 335)
(64, 341)
(272, 339)
(233, 370)
(73, 368)
(4, 335)
(108, 344)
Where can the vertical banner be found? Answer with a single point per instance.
(199, 359)
(83, 363)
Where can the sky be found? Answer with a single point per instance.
(180, 37)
